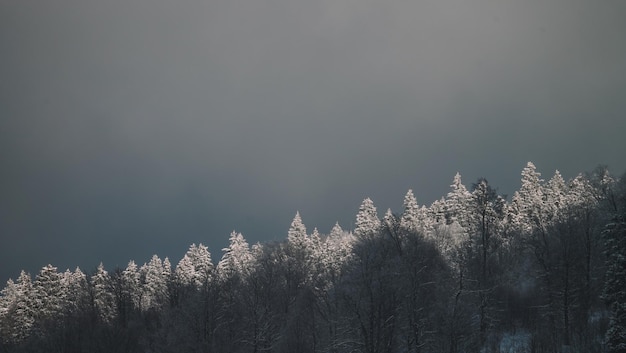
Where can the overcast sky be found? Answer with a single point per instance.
(134, 127)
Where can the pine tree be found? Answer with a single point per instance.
(390, 221)
(336, 231)
(185, 271)
(436, 213)
(556, 196)
(337, 250)
(154, 288)
(237, 258)
(103, 299)
(296, 236)
(195, 268)
(48, 294)
(167, 269)
(410, 219)
(17, 316)
(298, 253)
(66, 287)
(581, 193)
(77, 296)
(367, 221)
(315, 241)
(529, 202)
(316, 264)
(131, 285)
(457, 202)
(8, 296)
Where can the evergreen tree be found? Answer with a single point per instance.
(336, 231)
(317, 255)
(390, 220)
(103, 299)
(154, 288)
(77, 292)
(457, 202)
(17, 316)
(528, 202)
(196, 267)
(298, 251)
(454, 233)
(436, 213)
(48, 294)
(367, 221)
(167, 269)
(411, 216)
(337, 251)
(185, 272)
(237, 258)
(8, 297)
(131, 285)
(296, 236)
(556, 198)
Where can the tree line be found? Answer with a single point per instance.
(472, 272)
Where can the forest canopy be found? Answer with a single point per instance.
(473, 272)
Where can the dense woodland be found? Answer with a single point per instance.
(473, 272)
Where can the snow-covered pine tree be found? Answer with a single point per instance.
(296, 236)
(154, 288)
(528, 203)
(390, 221)
(185, 272)
(298, 254)
(556, 192)
(582, 193)
(436, 212)
(77, 291)
(66, 284)
(195, 268)
(167, 269)
(8, 296)
(316, 244)
(237, 258)
(338, 248)
(103, 299)
(17, 316)
(131, 285)
(457, 202)
(336, 231)
(48, 294)
(316, 240)
(410, 219)
(317, 266)
(426, 224)
(367, 221)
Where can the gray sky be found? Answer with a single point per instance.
(134, 127)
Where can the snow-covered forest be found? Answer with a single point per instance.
(475, 271)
